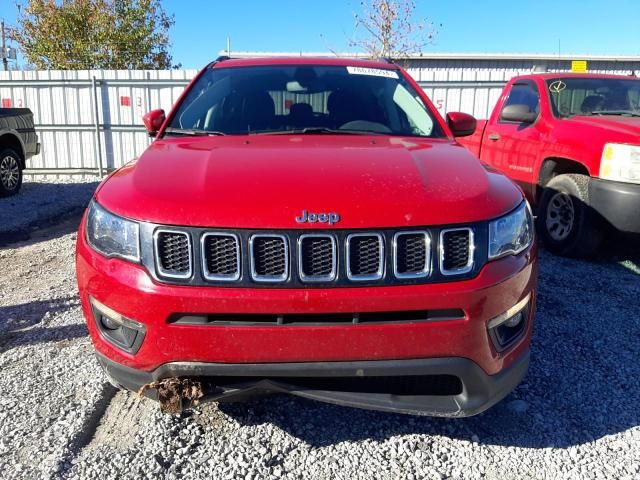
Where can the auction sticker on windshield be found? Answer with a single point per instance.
(376, 72)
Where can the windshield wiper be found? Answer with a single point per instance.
(193, 132)
(318, 130)
(629, 113)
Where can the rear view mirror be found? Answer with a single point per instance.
(153, 121)
(461, 124)
(518, 113)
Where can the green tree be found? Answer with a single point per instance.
(94, 34)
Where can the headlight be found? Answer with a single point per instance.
(511, 234)
(620, 163)
(111, 235)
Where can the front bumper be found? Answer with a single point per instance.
(478, 392)
(617, 202)
(267, 357)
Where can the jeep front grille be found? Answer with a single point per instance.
(365, 256)
(412, 254)
(318, 258)
(456, 251)
(221, 256)
(173, 253)
(299, 258)
(269, 258)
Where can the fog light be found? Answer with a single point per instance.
(505, 329)
(117, 329)
(514, 321)
(109, 324)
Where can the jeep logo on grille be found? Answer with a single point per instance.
(329, 218)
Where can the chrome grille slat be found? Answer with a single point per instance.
(173, 253)
(317, 258)
(411, 254)
(269, 256)
(456, 251)
(365, 256)
(220, 256)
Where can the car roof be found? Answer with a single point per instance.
(556, 75)
(336, 61)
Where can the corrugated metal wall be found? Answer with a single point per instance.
(88, 119)
(66, 105)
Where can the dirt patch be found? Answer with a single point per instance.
(175, 394)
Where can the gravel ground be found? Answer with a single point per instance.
(575, 416)
(41, 203)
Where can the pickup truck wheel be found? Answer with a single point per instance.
(10, 172)
(567, 224)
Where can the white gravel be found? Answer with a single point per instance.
(575, 416)
(41, 202)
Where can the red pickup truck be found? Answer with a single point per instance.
(572, 142)
(310, 226)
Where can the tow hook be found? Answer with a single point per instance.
(174, 392)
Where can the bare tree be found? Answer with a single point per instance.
(391, 29)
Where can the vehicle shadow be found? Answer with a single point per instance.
(27, 324)
(584, 371)
(43, 206)
(620, 251)
(37, 336)
(18, 317)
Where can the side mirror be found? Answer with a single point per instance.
(153, 121)
(461, 124)
(518, 113)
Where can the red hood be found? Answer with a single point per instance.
(615, 123)
(266, 181)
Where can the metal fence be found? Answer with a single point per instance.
(90, 122)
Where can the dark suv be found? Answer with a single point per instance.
(18, 142)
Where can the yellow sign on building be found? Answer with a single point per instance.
(579, 66)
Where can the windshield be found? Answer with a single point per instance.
(304, 99)
(594, 96)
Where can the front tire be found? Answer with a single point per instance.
(10, 172)
(566, 223)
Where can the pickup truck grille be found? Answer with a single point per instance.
(302, 258)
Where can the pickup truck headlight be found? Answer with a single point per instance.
(511, 234)
(620, 162)
(111, 235)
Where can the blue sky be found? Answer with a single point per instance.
(582, 26)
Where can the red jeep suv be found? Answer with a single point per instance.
(311, 226)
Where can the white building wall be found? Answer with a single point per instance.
(65, 111)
